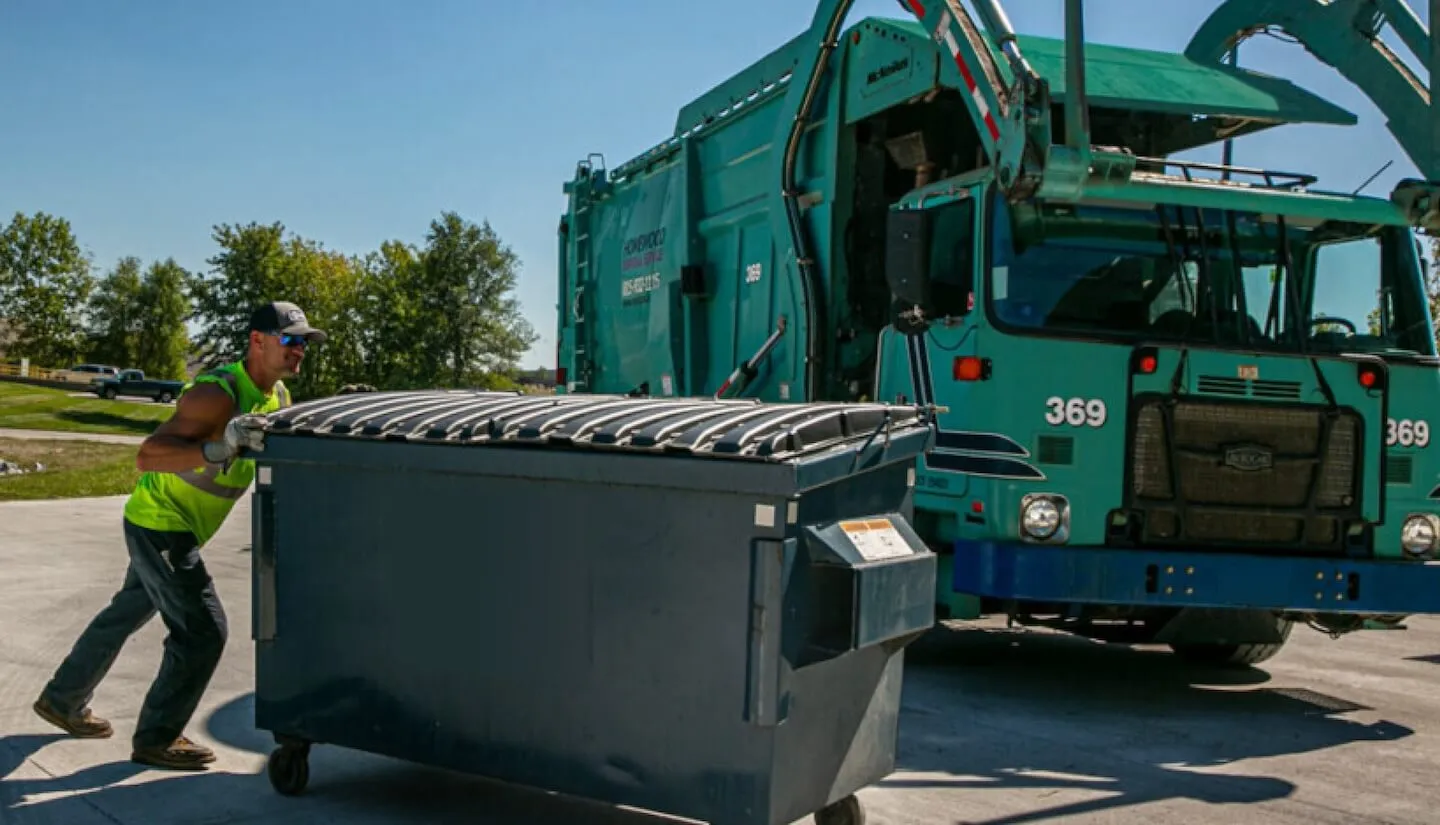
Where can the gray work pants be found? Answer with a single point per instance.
(166, 575)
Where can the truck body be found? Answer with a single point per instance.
(1145, 423)
(134, 382)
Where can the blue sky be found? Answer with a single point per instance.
(357, 121)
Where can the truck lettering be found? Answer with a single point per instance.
(1407, 433)
(888, 69)
(639, 287)
(644, 250)
(1077, 412)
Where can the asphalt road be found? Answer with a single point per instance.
(999, 727)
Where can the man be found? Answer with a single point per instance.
(191, 478)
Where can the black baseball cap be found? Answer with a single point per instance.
(284, 318)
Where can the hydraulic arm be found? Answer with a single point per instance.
(1013, 122)
(1345, 34)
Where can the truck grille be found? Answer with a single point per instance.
(1215, 473)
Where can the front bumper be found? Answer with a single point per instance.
(1166, 578)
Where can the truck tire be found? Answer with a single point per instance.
(109, 393)
(1233, 655)
(164, 397)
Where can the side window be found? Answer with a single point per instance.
(952, 259)
(1346, 287)
(1178, 294)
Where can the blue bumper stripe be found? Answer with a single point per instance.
(1158, 577)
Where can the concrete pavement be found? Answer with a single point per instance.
(62, 435)
(999, 728)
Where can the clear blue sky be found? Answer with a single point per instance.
(356, 121)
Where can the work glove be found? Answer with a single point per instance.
(243, 432)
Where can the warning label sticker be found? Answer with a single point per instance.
(876, 538)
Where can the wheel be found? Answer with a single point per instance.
(1227, 655)
(109, 393)
(289, 769)
(164, 398)
(847, 811)
(1233, 655)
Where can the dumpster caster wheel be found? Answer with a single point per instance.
(845, 812)
(289, 769)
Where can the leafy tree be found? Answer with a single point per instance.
(115, 322)
(247, 273)
(163, 308)
(388, 316)
(470, 327)
(45, 284)
(259, 263)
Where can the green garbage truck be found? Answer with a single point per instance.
(1152, 421)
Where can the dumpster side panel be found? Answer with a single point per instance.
(690, 606)
(845, 650)
(628, 650)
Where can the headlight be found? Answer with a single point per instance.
(1420, 534)
(1044, 518)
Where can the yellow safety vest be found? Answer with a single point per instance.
(197, 501)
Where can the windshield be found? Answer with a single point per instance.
(1129, 274)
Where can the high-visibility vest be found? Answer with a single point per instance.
(197, 501)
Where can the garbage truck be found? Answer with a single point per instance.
(1154, 424)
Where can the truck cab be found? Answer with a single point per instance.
(1126, 375)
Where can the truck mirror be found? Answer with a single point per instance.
(907, 256)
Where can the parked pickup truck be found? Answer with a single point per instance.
(134, 382)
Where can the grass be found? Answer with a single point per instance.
(28, 407)
(73, 469)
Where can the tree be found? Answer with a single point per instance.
(163, 308)
(246, 274)
(258, 264)
(115, 315)
(388, 317)
(470, 326)
(45, 283)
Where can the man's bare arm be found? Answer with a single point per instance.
(175, 446)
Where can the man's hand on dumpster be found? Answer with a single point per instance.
(243, 432)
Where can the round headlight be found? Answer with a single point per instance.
(1419, 534)
(1041, 518)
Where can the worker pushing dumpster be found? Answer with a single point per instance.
(697, 607)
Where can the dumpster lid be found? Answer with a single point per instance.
(742, 429)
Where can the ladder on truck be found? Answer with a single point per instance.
(590, 181)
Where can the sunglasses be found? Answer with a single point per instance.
(287, 340)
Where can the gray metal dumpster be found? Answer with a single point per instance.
(693, 607)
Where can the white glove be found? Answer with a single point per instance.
(245, 432)
(242, 432)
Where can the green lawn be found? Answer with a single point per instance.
(72, 469)
(24, 406)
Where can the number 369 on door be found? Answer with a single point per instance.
(1075, 412)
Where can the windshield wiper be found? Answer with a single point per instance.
(1179, 263)
(1203, 286)
(1237, 280)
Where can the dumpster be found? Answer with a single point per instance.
(695, 607)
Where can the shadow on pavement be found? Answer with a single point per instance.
(356, 789)
(104, 419)
(1003, 710)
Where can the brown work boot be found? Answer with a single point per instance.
(84, 724)
(182, 754)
